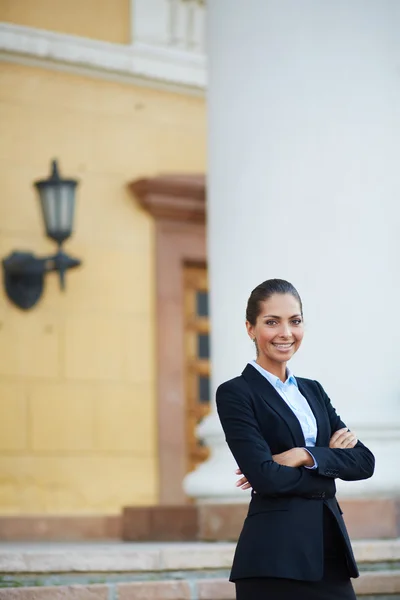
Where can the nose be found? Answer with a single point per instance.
(285, 331)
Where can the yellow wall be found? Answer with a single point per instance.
(77, 373)
(107, 20)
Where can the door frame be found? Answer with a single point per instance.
(178, 205)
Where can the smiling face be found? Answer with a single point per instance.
(278, 332)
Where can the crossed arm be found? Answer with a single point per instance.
(282, 474)
(298, 457)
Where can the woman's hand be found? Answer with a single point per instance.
(295, 457)
(298, 457)
(242, 482)
(343, 438)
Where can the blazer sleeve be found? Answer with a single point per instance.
(253, 455)
(349, 464)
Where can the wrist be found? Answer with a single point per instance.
(307, 459)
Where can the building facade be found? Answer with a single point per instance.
(89, 84)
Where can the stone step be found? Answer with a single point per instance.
(125, 557)
(370, 586)
(162, 571)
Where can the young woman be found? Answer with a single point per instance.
(290, 446)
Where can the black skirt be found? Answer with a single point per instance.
(334, 585)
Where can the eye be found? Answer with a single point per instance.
(271, 322)
(297, 321)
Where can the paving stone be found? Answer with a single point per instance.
(376, 550)
(67, 592)
(197, 556)
(154, 590)
(379, 582)
(215, 589)
(93, 558)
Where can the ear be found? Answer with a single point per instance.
(250, 330)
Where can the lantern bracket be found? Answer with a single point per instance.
(24, 275)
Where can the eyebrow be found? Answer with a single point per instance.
(276, 317)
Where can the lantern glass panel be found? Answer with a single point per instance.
(58, 201)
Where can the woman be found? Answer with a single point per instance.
(290, 446)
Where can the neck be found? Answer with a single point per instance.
(277, 369)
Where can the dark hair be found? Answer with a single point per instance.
(264, 291)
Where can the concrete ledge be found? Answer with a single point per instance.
(365, 519)
(378, 551)
(143, 558)
(113, 558)
(160, 523)
(65, 528)
(372, 518)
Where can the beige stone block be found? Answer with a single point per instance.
(107, 214)
(154, 590)
(378, 582)
(19, 208)
(42, 528)
(94, 347)
(103, 126)
(63, 484)
(216, 589)
(63, 592)
(108, 282)
(24, 140)
(101, 98)
(139, 350)
(125, 419)
(154, 129)
(111, 22)
(120, 130)
(61, 417)
(79, 558)
(370, 551)
(13, 417)
(198, 556)
(29, 344)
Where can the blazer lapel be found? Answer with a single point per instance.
(268, 393)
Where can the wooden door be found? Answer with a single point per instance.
(197, 354)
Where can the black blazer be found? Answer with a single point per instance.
(282, 535)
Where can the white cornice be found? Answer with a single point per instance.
(137, 61)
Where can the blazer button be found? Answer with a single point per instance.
(323, 495)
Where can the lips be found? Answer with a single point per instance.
(283, 347)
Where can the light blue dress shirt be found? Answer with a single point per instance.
(290, 393)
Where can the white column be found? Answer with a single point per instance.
(304, 184)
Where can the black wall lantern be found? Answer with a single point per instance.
(23, 272)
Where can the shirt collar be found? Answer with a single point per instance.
(273, 379)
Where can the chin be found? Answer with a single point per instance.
(283, 356)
